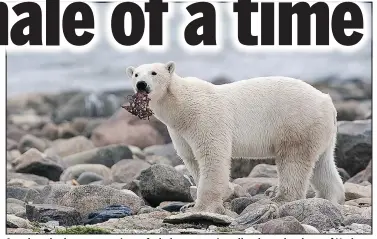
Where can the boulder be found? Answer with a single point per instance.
(127, 170)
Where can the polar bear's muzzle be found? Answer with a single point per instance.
(143, 87)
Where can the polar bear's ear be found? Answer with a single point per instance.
(130, 71)
(170, 66)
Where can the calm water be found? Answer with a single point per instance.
(103, 67)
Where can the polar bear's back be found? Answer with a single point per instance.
(268, 109)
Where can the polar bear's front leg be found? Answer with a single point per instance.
(214, 166)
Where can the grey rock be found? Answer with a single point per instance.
(88, 177)
(27, 176)
(264, 170)
(23, 194)
(166, 151)
(351, 229)
(53, 194)
(107, 156)
(253, 214)
(199, 217)
(17, 222)
(310, 229)
(66, 147)
(18, 182)
(354, 191)
(358, 219)
(360, 202)
(163, 183)
(149, 209)
(256, 186)
(242, 167)
(89, 198)
(284, 225)
(239, 204)
(343, 174)
(30, 141)
(317, 212)
(35, 162)
(362, 176)
(128, 169)
(75, 171)
(182, 169)
(66, 216)
(354, 145)
(11, 144)
(14, 208)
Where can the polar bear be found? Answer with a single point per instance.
(266, 117)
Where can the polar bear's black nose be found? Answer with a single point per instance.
(141, 86)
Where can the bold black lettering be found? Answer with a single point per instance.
(244, 9)
(33, 21)
(3, 24)
(208, 22)
(268, 26)
(70, 24)
(52, 23)
(156, 8)
(339, 24)
(117, 23)
(303, 11)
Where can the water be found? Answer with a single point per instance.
(104, 67)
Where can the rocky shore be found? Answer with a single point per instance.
(79, 164)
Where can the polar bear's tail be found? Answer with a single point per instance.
(326, 179)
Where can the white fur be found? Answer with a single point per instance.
(266, 117)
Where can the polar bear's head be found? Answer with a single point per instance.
(153, 78)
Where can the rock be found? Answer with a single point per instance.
(172, 206)
(75, 171)
(251, 230)
(166, 151)
(15, 133)
(154, 159)
(86, 105)
(134, 186)
(103, 215)
(360, 202)
(108, 156)
(127, 170)
(92, 124)
(161, 183)
(251, 215)
(354, 191)
(256, 185)
(17, 222)
(28, 177)
(53, 194)
(23, 194)
(200, 217)
(351, 110)
(149, 209)
(264, 171)
(284, 225)
(88, 177)
(354, 145)
(11, 144)
(310, 229)
(20, 231)
(12, 155)
(239, 204)
(351, 229)
(66, 131)
(364, 175)
(343, 174)
(50, 131)
(66, 216)
(21, 183)
(139, 133)
(30, 141)
(242, 167)
(143, 221)
(15, 208)
(80, 123)
(67, 147)
(34, 162)
(28, 121)
(89, 198)
(317, 212)
(359, 219)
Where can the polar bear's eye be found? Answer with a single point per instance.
(154, 73)
(136, 75)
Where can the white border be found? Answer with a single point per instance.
(3, 152)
